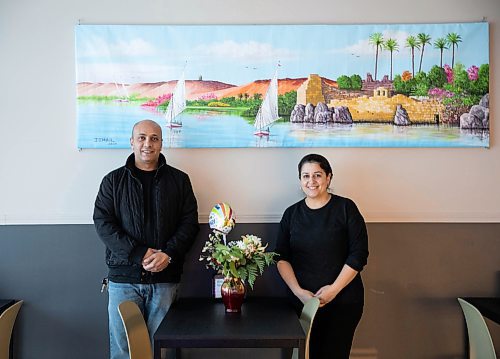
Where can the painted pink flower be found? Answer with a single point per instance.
(208, 97)
(449, 73)
(439, 92)
(473, 73)
(158, 101)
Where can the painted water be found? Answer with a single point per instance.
(108, 125)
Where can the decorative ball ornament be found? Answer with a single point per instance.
(221, 218)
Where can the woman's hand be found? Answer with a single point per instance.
(325, 294)
(304, 295)
(286, 271)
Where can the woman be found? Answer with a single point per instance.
(323, 245)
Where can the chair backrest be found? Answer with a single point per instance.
(480, 343)
(307, 318)
(139, 343)
(7, 320)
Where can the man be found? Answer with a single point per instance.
(146, 214)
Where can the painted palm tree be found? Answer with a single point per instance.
(453, 40)
(377, 40)
(412, 43)
(391, 45)
(441, 44)
(423, 39)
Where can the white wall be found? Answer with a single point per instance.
(44, 179)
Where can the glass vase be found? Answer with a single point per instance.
(233, 292)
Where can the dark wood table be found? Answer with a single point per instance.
(203, 323)
(488, 306)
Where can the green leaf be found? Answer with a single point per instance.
(243, 273)
(252, 274)
(269, 257)
(260, 263)
(233, 270)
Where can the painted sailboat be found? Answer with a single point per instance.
(121, 90)
(177, 104)
(268, 110)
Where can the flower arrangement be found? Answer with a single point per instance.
(244, 259)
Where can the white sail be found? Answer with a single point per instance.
(268, 111)
(121, 89)
(122, 92)
(177, 103)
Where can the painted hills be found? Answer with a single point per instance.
(195, 89)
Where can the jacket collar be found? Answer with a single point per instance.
(130, 164)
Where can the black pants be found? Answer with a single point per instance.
(333, 330)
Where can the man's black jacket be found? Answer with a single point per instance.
(119, 221)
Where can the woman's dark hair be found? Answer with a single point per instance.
(315, 158)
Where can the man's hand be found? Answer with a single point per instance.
(155, 260)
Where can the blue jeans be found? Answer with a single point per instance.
(154, 300)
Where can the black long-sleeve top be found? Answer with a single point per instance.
(319, 242)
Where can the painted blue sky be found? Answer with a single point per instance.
(239, 54)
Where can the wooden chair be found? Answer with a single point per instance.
(7, 320)
(139, 343)
(306, 321)
(480, 343)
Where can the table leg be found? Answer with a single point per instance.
(171, 353)
(286, 353)
(302, 349)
